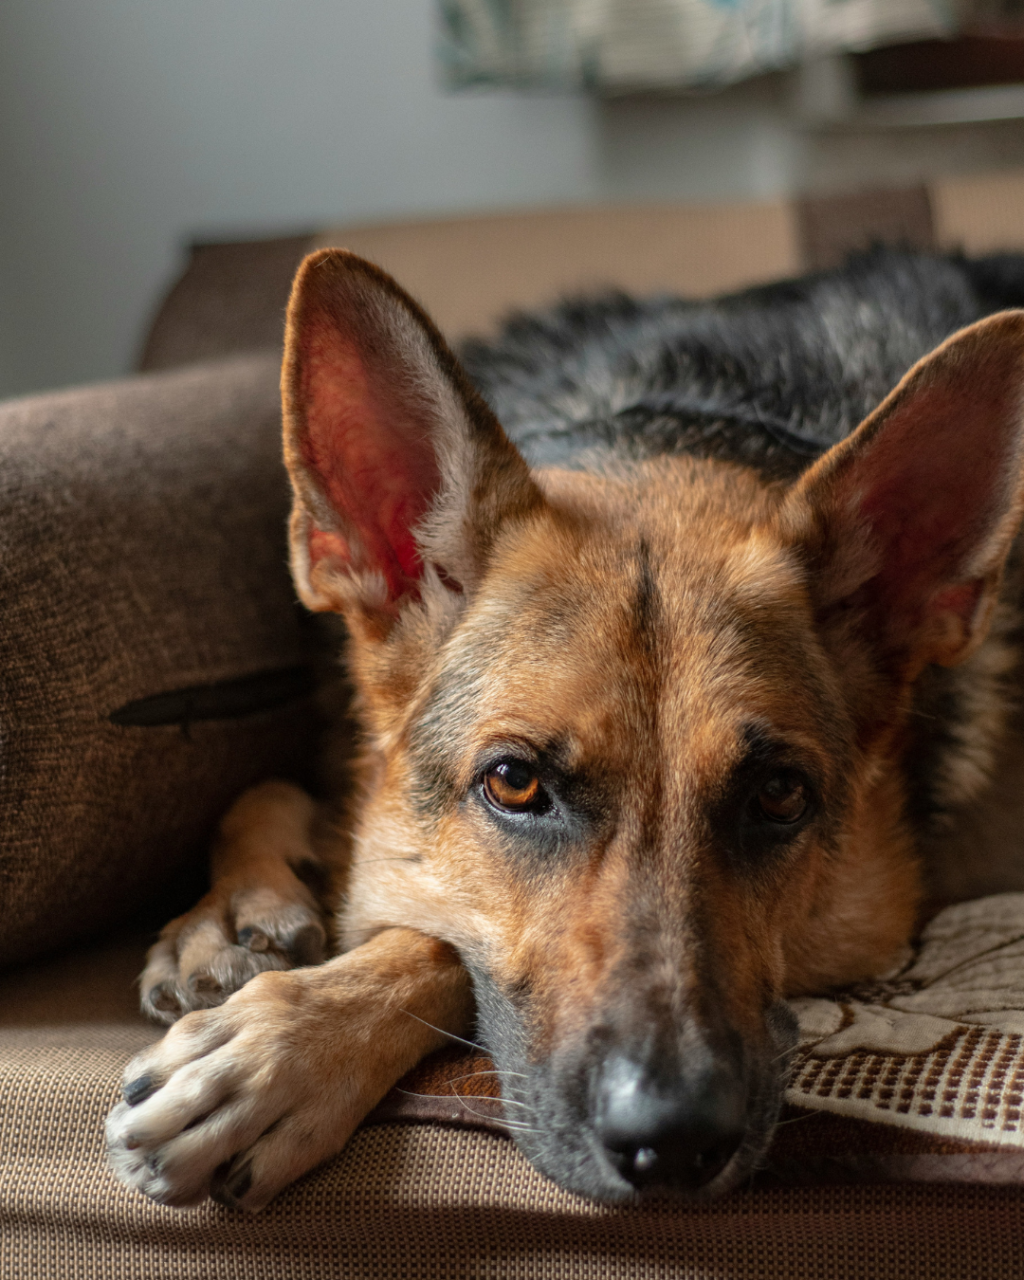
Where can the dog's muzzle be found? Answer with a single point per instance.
(632, 1107)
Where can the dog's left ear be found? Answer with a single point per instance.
(905, 525)
(401, 473)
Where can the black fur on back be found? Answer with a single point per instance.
(770, 377)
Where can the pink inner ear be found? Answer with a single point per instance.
(372, 455)
(931, 486)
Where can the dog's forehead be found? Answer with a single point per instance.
(654, 595)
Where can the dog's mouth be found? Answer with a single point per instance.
(614, 1128)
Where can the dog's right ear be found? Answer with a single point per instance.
(401, 473)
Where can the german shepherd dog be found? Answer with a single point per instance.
(679, 692)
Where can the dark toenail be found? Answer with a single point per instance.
(162, 997)
(239, 1183)
(205, 985)
(254, 939)
(234, 1189)
(307, 947)
(138, 1090)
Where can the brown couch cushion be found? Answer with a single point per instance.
(231, 298)
(142, 561)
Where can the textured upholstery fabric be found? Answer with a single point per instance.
(416, 1201)
(141, 553)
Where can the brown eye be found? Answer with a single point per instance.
(783, 798)
(514, 786)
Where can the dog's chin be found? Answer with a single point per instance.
(578, 1166)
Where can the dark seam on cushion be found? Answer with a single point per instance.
(224, 700)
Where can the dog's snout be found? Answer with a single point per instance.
(675, 1135)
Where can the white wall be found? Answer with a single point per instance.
(128, 127)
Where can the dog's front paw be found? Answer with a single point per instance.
(236, 1102)
(206, 955)
(259, 915)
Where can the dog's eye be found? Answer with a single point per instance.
(513, 786)
(783, 798)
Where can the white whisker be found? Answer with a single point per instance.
(516, 1125)
(450, 1034)
(481, 1115)
(473, 1074)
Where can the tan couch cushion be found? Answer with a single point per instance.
(413, 1201)
(468, 272)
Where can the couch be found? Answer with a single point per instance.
(155, 664)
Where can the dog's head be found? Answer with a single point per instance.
(634, 736)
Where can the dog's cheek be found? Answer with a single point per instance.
(850, 912)
(415, 870)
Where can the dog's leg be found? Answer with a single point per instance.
(241, 1100)
(260, 913)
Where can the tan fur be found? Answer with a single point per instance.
(256, 894)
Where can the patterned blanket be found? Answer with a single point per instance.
(938, 1046)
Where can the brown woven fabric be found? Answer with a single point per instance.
(435, 1204)
(231, 298)
(416, 1201)
(141, 553)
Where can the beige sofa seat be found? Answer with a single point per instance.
(407, 1200)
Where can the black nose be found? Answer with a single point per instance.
(678, 1134)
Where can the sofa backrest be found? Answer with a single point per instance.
(469, 271)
